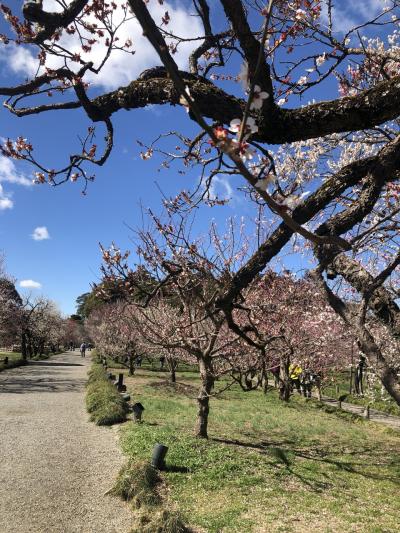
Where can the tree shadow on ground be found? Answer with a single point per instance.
(47, 363)
(365, 461)
(39, 385)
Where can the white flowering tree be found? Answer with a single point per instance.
(42, 326)
(10, 309)
(115, 334)
(325, 173)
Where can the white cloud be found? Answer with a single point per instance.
(9, 172)
(220, 189)
(30, 284)
(5, 201)
(346, 15)
(40, 233)
(121, 68)
(19, 59)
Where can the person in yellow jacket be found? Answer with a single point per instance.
(295, 372)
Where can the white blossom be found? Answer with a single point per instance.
(258, 97)
(302, 81)
(183, 101)
(320, 60)
(265, 181)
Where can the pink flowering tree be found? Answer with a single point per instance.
(178, 316)
(297, 325)
(114, 334)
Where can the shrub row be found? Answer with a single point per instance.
(103, 401)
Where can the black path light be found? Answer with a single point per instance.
(137, 409)
(120, 383)
(158, 458)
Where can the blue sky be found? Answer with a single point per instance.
(68, 261)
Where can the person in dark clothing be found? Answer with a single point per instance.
(83, 349)
(358, 378)
(306, 382)
(162, 362)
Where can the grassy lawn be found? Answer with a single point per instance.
(14, 359)
(340, 385)
(267, 467)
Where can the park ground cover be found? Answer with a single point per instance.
(267, 466)
(14, 359)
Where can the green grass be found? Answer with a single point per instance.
(103, 401)
(14, 360)
(339, 385)
(267, 466)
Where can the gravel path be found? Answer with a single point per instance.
(55, 466)
(374, 415)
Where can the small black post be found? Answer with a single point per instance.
(137, 409)
(158, 459)
(119, 384)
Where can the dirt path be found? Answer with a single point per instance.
(55, 466)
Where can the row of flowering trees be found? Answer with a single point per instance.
(281, 318)
(325, 173)
(34, 324)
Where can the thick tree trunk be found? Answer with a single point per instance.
(203, 399)
(284, 380)
(386, 374)
(264, 376)
(24, 350)
(131, 365)
(172, 365)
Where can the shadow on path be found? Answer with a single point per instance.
(44, 376)
(25, 385)
(47, 363)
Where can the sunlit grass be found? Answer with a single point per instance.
(267, 466)
(14, 359)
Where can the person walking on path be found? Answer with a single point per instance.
(83, 349)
